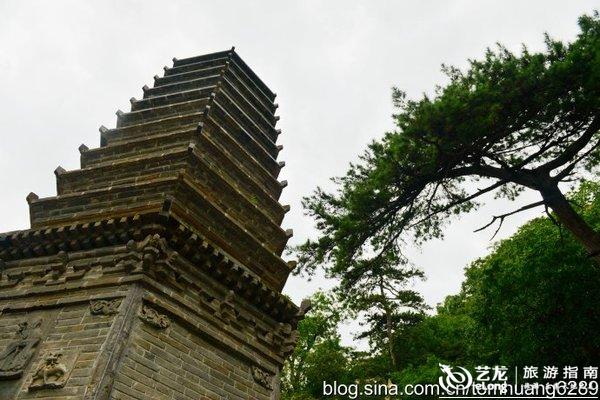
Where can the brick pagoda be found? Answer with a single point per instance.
(156, 271)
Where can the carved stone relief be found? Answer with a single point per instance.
(62, 270)
(288, 343)
(105, 307)
(154, 318)
(8, 279)
(290, 336)
(16, 356)
(262, 377)
(151, 255)
(225, 309)
(53, 371)
(284, 336)
(131, 262)
(305, 306)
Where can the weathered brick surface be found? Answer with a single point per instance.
(177, 364)
(156, 271)
(248, 162)
(213, 341)
(68, 330)
(207, 180)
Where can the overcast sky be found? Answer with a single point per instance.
(67, 66)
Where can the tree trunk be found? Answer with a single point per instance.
(390, 336)
(565, 213)
(388, 324)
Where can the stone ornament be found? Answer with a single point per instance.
(55, 271)
(290, 337)
(153, 257)
(7, 279)
(154, 318)
(18, 353)
(105, 307)
(150, 255)
(305, 306)
(60, 267)
(285, 335)
(53, 371)
(183, 236)
(225, 309)
(62, 270)
(262, 377)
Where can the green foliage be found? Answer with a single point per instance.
(533, 301)
(508, 122)
(426, 373)
(318, 355)
(329, 362)
(447, 337)
(377, 291)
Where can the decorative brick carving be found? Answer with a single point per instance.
(156, 255)
(54, 272)
(305, 306)
(61, 271)
(8, 278)
(53, 371)
(18, 353)
(284, 338)
(289, 338)
(105, 307)
(151, 255)
(152, 317)
(225, 309)
(60, 267)
(262, 377)
(130, 262)
(177, 212)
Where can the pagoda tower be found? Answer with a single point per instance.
(156, 270)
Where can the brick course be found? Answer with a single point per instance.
(156, 271)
